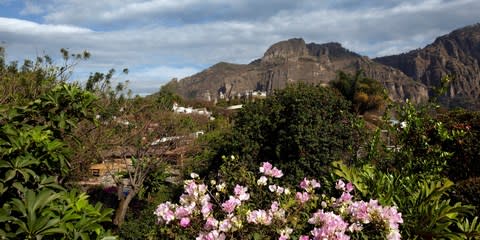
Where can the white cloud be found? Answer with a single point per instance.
(154, 78)
(164, 72)
(156, 35)
(11, 25)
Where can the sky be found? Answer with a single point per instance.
(159, 40)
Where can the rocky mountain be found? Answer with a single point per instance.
(456, 54)
(293, 61)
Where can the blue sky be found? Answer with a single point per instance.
(162, 39)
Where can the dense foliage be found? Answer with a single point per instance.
(365, 94)
(420, 161)
(301, 129)
(34, 160)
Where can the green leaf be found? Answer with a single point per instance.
(10, 175)
(5, 164)
(18, 186)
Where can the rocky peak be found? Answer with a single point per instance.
(331, 49)
(457, 55)
(466, 39)
(291, 48)
(294, 61)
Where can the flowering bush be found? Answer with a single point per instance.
(268, 210)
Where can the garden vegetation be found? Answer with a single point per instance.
(307, 162)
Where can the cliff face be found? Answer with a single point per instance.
(457, 55)
(295, 61)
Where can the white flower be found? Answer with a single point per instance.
(194, 175)
(220, 187)
(262, 181)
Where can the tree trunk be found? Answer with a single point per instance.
(123, 207)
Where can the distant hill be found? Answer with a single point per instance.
(411, 75)
(456, 54)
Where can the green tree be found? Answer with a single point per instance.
(22, 84)
(301, 129)
(138, 134)
(166, 97)
(365, 93)
(35, 160)
(38, 115)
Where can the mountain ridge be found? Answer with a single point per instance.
(457, 55)
(405, 76)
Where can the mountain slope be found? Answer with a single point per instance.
(456, 54)
(293, 61)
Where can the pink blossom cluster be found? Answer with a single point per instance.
(340, 185)
(265, 217)
(372, 212)
(331, 226)
(309, 185)
(302, 197)
(278, 190)
(203, 211)
(270, 171)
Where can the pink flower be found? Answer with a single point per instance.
(276, 173)
(340, 185)
(349, 187)
(185, 222)
(355, 227)
(164, 212)
(225, 225)
(207, 209)
(210, 224)
(346, 197)
(394, 235)
(241, 193)
(276, 212)
(303, 237)
(304, 184)
(309, 185)
(213, 235)
(302, 197)
(259, 217)
(274, 206)
(190, 187)
(276, 189)
(359, 211)
(332, 226)
(267, 169)
(314, 183)
(230, 204)
(181, 212)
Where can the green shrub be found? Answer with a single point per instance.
(468, 191)
(300, 129)
(427, 210)
(139, 224)
(465, 160)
